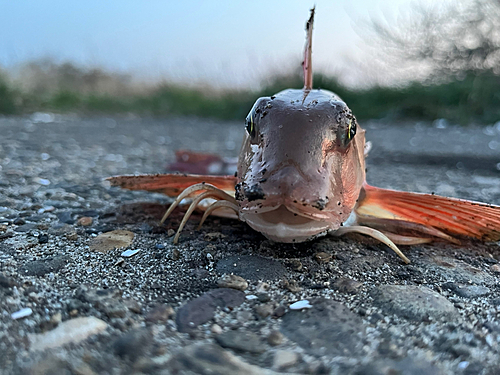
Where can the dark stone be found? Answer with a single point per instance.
(252, 267)
(263, 297)
(19, 221)
(345, 285)
(208, 359)
(133, 344)
(89, 213)
(200, 310)
(279, 312)
(44, 266)
(160, 313)
(96, 296)
(412, 302)
(328, 328)
(241, 341)
(65, 217)
(75, 304)
(43, 238)
(25, 228)
(36, 218)
(467, 291)
(6, 282)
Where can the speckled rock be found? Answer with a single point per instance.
(207, 359)
(252, 267)
(241, 341)
(466, 290)
(70, 331)
(200, 310)
(232, 281)
(328, 328)
(413, 302)
(44, 266)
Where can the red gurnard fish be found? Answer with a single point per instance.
(301, 174)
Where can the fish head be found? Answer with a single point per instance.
(301, 165)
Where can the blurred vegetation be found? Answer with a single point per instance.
(473, 98)
(458, 45)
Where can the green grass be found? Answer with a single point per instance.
(472, 99)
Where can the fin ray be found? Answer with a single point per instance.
(450, 215)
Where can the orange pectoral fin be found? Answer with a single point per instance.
(427, 214)
(172, 184)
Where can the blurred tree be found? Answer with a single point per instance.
(454, 40)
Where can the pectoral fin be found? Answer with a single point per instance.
(172, 184)
(427, 215)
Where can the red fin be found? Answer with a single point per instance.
(172, 184)
(451, 215)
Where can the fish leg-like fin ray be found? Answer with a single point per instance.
(407, 240)
(427, 214)
(173, 184)
(410, 229)
(218, 205)
(201, 188)
(374, 234)
(207, 194)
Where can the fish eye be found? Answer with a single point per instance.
(250, 124)
(351, 129)
(347, 130)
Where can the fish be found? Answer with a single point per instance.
(301, 175)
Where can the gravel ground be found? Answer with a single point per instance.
(71, 303)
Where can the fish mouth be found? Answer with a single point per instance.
(286, 223)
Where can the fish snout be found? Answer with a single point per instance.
(286, 185)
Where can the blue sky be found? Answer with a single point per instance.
(220, 42)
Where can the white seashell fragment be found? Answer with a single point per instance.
(299, 305)
(23, 313)
(129, 253)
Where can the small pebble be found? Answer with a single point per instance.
(263, 287)
(176, 254)
(284, 359)
(129, 253)
(279, 312)
(43, 238)
(322, 257)
(72, 236)
(41, 181)
(251, 297)
(133, 306)
(263, 297)
(23, 313)
(19, 221)
(56, 318)
(216, 329)
(495, 268)
(170, 232)
(275, 338)
(233, 282)
(120, 262)
(85, 221)
(264, 310)
(160, 313)
(463, 365)
(46, 209)
(299, 305)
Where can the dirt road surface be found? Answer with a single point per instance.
(70, 303)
